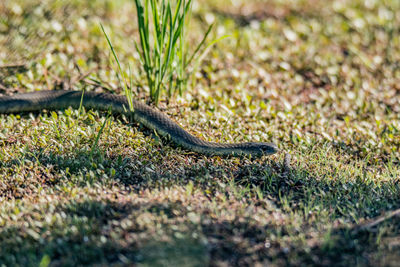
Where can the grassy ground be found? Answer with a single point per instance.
(318, 78)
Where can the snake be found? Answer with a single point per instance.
(145, 115)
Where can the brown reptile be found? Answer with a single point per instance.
(145, 115)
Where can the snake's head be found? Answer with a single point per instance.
(260, 149)
(268, 149)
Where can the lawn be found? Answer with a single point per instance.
(321, 79)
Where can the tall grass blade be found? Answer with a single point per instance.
(124, 83)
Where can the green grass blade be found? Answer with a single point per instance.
(200, 45)
(96, 142)
(124, 83)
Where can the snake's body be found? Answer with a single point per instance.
(144, 114)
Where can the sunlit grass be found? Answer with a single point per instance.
(319, 78)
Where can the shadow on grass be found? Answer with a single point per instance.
(111, 232)
(91, 232)
(297, 189)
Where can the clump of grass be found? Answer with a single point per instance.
(163, 48)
